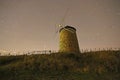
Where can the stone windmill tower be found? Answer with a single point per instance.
(68, 40)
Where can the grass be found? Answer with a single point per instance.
(97, 65)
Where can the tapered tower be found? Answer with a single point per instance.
(68, 41)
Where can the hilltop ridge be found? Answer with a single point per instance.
(97, 65)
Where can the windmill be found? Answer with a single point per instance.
(68, 42)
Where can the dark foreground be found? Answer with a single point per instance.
(99, 65)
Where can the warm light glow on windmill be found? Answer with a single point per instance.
(68, 40)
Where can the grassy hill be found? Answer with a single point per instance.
(98, 65)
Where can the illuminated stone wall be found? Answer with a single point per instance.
(68, 40)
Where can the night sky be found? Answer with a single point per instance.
(32, 24)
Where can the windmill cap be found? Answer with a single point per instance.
(67, 27)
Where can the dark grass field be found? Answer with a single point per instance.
(95, 65)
